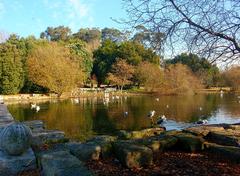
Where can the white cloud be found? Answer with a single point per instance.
(80, 9)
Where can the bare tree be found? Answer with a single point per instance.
(207, 27)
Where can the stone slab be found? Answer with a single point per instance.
(62, 163)
(12, 165)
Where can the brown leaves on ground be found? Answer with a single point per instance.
(171, 163)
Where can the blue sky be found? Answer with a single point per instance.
(30, 17)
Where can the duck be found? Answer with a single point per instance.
(161, 119)
(37, 108)
(33, 105)
(202, 122)
(151, 114)
(125, 114)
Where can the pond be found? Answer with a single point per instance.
(85, 117)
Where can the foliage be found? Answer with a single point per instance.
(121, 73)
(208, 73)
(11, 65)
(56, 33)
(50, 66)
(134, 53)
(179, 79)
(210, 28)
(232, 77)
(113, 34)
(149, 75)
(148, 38)
(91, 36)
(80, 55)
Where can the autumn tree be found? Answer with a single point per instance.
(232, 77)
(134, 53)
(121, 73)
(149, 75)
(179, 79)
(207, 27)
(50, 66)
(207, 72)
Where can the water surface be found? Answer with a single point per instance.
(83, 118)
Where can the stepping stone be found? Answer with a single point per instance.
(132, 155)
(85, 151)
(62, 163)
(123, 134)
(229, 152)
(227, 137)
(189, 142)
(41, 137)
(105, 142)
(35, 124)
(12, 165)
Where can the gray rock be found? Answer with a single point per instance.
(189, 142)
(158, 143)
(11, 165)
(105, 142)
(203, 130)
(85, 151)
(41, 137)
(140, 134)
(227, 137)
(35, 124)
(132, 155)
(229, 152)
(62, 163)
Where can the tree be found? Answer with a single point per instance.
(134, 53)
(56, 33)
(91, 36)
(81, 55)
(113, 34)
(50, 66)
(11, 65)
(149, 39)
(121, 73)
(149, 75)
(232, 77)
(179, 79)
(209, 28)
(207, 72)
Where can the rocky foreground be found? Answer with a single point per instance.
(199, 150)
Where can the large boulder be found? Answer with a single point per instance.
(203, 130)
(12, 165)
(105, 142)
(229, 152)
(62, 163)
(15, 139)
(189, 142)
(85, 151)
(227, 137)
(123, 134)
(132, 155)
(156, 143)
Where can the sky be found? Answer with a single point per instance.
(31, 17)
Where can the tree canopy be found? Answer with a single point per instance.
(50, 66)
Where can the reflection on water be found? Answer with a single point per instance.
(84, 117)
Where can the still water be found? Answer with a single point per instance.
(85, 117)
